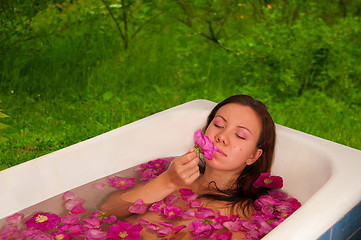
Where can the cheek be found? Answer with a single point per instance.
(209, 132)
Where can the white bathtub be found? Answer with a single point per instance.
(324, 176)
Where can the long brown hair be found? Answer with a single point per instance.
(243, 195)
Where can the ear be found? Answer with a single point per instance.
(254, 157)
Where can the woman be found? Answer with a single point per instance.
(244, 133)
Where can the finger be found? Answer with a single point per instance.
(186, 158)
(192, 149)
(190, 167)
(194, 176)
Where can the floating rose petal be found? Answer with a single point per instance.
(266, 204)
(267, 181)
(124, 230)
(138, 207)
(73, 202)
(278, 194)
(43, 221)
(188, 214)
(143, 221)
(78, 209)
(195, 204)
(68, 195)
(201, 229)
(28, 233)
(289, 206)
(75, 230)
(204, 213)
(156, 207)
(166, 224)
(170, 199)
(222, 236)
(100, 185)
(234, 226)
(42, 236)
(110, 220)
(15, 218)
(264, 226)
(95, 234)
(70, 219)
(152, 226)
(91, 223)
(61, 235)
(122, 183)
(171, 211)
(165, 231)
(9, 231)
(178, 228)
(150, 170)
(187, 194)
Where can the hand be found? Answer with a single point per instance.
(184, 170)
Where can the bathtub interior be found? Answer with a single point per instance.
(305, 162)
(300, 164)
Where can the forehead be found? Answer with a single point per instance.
(240, 115)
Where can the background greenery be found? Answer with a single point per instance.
(71, 70)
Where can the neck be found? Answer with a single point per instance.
(223, 179)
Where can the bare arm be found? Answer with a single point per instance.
(182, 172)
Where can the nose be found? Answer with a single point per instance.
(221, 138)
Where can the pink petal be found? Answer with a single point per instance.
(110, 220)
(99, 185)
(29, 233)
(155, 207)
(164, 231)
(42, 236)
(138, 207)
(170, 199)
(195, 204)
(78, 209)
(166, 224)
(171, 212)
(143, 221)
(73, 202)
(234, 226)
(95, 234)
(15, 218)
(188, 214)
(91, 223)
(222, 236)
(179, 228)
(204, 213)
(70, 219)
(75, 230)
(68, 195)
(152, 226)
(8, 231)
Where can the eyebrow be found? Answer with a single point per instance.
(237, 126)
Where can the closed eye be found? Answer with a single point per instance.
(240, 137)
(218, 126)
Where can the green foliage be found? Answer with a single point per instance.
(2, 126)
(71, 70)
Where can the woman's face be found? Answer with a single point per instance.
(235, 131)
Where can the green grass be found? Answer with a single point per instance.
(66, 86)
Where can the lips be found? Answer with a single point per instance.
(221, 152)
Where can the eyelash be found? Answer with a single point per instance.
(240, 137)
(236, 134)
